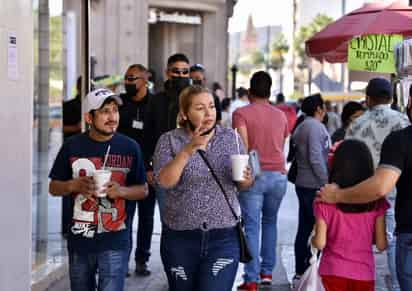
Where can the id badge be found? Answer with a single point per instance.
(137, 124)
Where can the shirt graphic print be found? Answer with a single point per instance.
(102, 214)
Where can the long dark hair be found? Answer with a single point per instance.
(352, 164)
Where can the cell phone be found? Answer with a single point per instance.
(255, 163)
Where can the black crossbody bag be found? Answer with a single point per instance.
(245, 255)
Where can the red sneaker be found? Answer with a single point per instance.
(248, 286)
(266, 279)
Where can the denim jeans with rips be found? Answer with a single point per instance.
(200, 260)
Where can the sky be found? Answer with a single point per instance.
(279, 12)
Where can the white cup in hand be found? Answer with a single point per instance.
(239, 165)
(101, 177)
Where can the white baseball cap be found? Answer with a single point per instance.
(95, 99)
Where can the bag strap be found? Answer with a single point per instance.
(202, 154)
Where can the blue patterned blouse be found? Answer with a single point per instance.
(197, 202)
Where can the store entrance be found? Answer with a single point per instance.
(166, 39)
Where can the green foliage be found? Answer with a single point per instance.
(56, 48)
(306, 32)
(257, 58)
(279, 48)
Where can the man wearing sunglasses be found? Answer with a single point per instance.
(198, 76)
(131, 122)
(162, 109)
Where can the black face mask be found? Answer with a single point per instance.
(193, 128)
(131, 89)
(197, 82)
(177, 84)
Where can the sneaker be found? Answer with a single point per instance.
(142, 269)
(248, 286)
(266, 279)
(295, 280)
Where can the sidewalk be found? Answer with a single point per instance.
(282, 275)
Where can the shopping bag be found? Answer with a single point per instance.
(311, 280)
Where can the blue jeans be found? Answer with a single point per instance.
(260, 205)
(306, 196)
(145, 228)
(200, 260)
(108, 264)
(391, 251)
(404, 260)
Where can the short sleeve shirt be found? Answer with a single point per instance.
(345, 255)
(196, 201)
(99, 225)
(397, 155)
(267, 130)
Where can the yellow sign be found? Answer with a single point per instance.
(373, 53)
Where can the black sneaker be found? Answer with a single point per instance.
(142, 269)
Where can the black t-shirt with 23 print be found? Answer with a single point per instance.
(397, 154)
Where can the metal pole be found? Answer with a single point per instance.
(267, 47)
(342, 68)
(85, 51)
(234, 73)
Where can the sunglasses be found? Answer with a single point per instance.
(179, 71)
(132, 78)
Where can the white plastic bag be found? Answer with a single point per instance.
(311, 280)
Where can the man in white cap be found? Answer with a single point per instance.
(98, 236)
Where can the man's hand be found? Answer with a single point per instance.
(113, 190)
(84, 185)
(329, 193)
(149, 177)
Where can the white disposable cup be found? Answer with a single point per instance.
(101, 177)
(239, 165)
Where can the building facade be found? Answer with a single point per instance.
(149, 31)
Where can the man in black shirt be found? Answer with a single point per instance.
(162, 110)
(132, 114)
(395, 168)
(197, 74)
(72, 114)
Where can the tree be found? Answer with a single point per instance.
(306, 32)
(279, 48)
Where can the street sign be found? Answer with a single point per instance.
(373, 53)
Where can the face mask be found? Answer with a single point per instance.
(177, 84)
(197, 82)
(130, 89)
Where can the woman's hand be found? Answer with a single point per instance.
(198, 142)
(247, 180)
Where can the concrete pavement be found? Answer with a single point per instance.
(283, 273)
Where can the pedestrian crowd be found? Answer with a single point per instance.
(217, 169)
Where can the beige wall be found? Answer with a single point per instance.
(16, 119)
(120, 35)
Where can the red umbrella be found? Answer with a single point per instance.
(331, 43)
